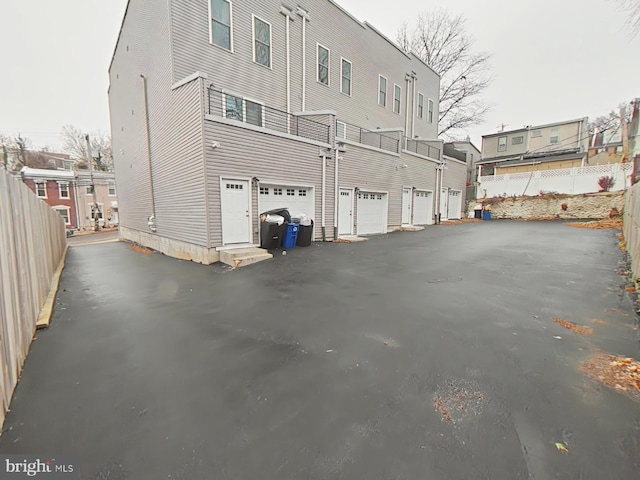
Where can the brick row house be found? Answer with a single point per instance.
(221, 110)
(71, 194)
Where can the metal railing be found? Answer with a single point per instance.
(370, 138)
(230, 106)
(421, 148)
(449, 151)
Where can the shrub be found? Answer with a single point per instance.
(605, 183)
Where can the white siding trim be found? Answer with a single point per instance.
(230, 26)
(44, 183)
(368, 147)
(372, 190)
(253, 43)
(231, 178)
(248, 126)
(386, 89)
(413, 154)
(189, 79)
(449, 159)
(393, 106)
(418, 114)
(269, 183)
(342, 59)
(68, 197)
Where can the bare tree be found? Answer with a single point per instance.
(611, 122)
(100, 153)
(633, 8)
(440, 39)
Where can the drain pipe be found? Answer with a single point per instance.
(414, 77)
(287, 18)
(305, 18)
(324, 197)
(407, 79)
(335, 198)
(152, 217)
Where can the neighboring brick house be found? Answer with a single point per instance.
(57, 189)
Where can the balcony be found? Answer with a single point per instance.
(421, 147)
(232, 107)
(371, 138)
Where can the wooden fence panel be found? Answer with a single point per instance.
(32, 243)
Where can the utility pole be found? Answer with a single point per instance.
(96, 209)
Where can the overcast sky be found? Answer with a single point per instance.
(552, 59)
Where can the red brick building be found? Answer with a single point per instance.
(57, 188)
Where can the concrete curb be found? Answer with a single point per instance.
(44, 319)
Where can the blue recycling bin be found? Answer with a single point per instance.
(486, 215)
(291, 235)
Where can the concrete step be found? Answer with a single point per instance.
(241, 257)
(411, 228)
(351, 239)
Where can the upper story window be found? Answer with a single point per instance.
(63, 190)
(345, 85)
(382, 91)
(323, 65)
(261, 42)
(502, 144)
(397, 92)
(89, 190)
(430, 112)
(112, 188)
(519, 140)
(221, 15)
(341, 129)
(555, 136)
(243, 110)
(41, 189)
(64, 213)
(536, 133)
(420, 105)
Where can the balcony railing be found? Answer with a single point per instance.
(449, 151)
(230, 106)
(421, 148)
(370, 138)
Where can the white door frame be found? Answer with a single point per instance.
(444, 209)
(386, 206)
(430, 220)
(250, 198)
(294, 185)
(410, 222)
(353, 208)
(459, 213)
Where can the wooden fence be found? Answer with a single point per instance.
(32, 244)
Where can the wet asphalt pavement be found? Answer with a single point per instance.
(427, 355)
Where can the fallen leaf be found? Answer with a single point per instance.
(329, 351)
(574, 327)
(599, 322)
(558, 337)
(562, 447)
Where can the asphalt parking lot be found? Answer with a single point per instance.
(415, 355)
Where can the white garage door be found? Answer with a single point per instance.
(295, 199)
(422, 208)
(455, 205)
(372, 213)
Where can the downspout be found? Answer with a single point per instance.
(407, 79)
(287, 18)
(580, 143)
(324, 197)
(335, 200)
(152, 225)
(75, 201)
(305, 17)
(413, 105)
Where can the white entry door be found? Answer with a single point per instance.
(444, 201)
(345, 212)
(454, 208)
(236, 211)
(407, 206)
(372, 213)
(422, 207)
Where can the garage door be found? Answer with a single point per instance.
(295, 199)
(372, 213)
(422, 208)
(455, 205)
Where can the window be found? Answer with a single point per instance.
(430, 112)
(397, 92)
(254, 113)
(96, 211)
(502, 144)
(554, 137)
(345, 85)
(302, 193)
(291, 192)
(261, 42)
(420, 105)
(277, 191)
(341, 130)
(235, 186)
(517, 140)
(233, 107)
(63, 190)
(221, 23)
(323, 65)
(112, 188)
(41, 189)
(64, 213)
(536, 133)
(89, 190)
(382, 91)
(264, 191)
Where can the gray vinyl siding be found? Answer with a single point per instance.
(235, 71)
(386, 173)
(455, 177)
(175, 130)
(245, 153)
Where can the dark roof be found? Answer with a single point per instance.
(529, 159)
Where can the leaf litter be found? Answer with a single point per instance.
(579, 329)
(603, 224)
(458, 399)
(619, 373)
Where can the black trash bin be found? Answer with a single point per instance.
(283, 212)
(477, 213)
(305, 235)
(271, 235)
